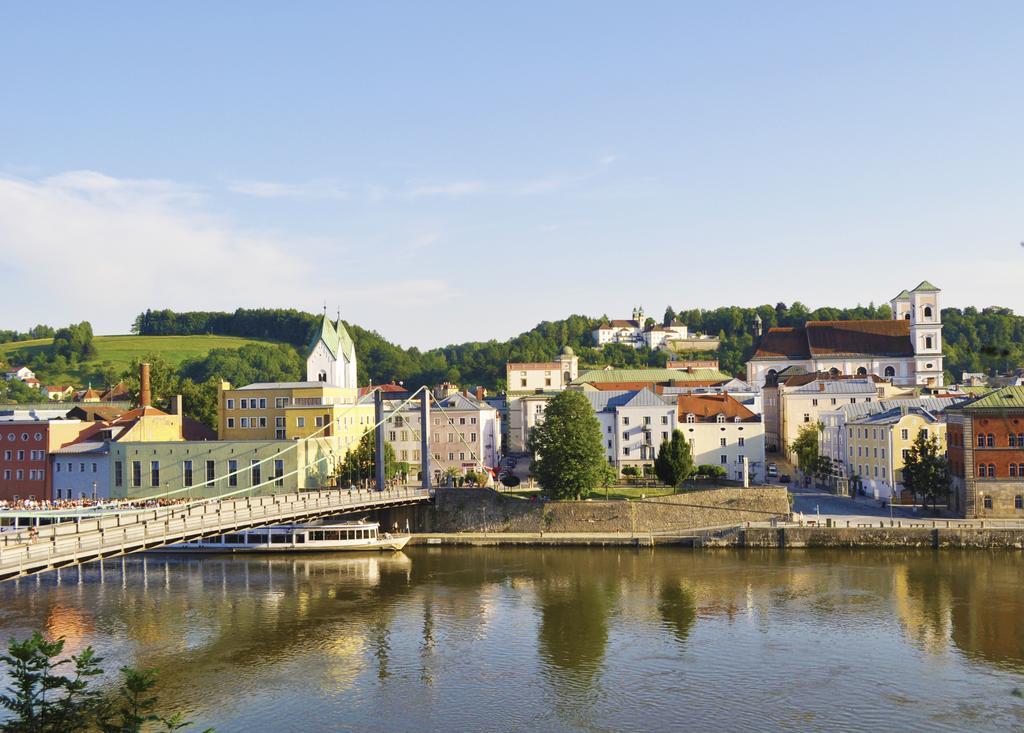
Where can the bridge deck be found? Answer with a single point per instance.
(92, 535)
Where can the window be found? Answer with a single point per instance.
(723, 459)
(741, 442)
(625, 451)
(279, 422)
(1013, 440)
(609, 444)
(1018, 502)
(263, 403)
(154, 473)
(245, 422)
(991, 470)
(231, 422)
(807, 417)
(279, 472)
(318, 421)
(981, 440)
(927, 311)
(187, 471)
(136, 473)
(244, 404)
(256, 474)
(690, 418)
(625, 435)
(522, 382)
(720, 418)
(833, 400)
(647, 419)
(625, 421)
(987, 502)
(1013, 469)
(280, 401)
(232, 472)
(853, 400)
(990, 440)
(472, 437)
(300, 422)
(118, 473)
(263, 422)
(890, 371)
(927, 342)
(814, 403)
(20, 474)
(905, 434)
(231, 403)
(981, 470)
(211, 471)
(664, 419)
(722, 442)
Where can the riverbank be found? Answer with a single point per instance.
(763, 537)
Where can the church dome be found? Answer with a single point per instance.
(567, 351)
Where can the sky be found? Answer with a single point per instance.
(443, 172)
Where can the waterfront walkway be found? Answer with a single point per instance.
(90, 535)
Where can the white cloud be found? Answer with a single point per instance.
(318, 189)
(83, 245)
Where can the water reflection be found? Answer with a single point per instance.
(587, 636)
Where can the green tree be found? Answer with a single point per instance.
(631, 473)
(569, 453)
(674, 463)
(925, 470)
(806, 447)
(359, 464)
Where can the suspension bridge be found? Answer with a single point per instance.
(63, 538)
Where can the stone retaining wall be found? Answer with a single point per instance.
(483, 510)
(890, 537)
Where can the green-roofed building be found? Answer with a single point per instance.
(332, 355)
(985, 449)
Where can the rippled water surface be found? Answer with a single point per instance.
(556, 639)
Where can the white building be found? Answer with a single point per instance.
(332, 356)
(906, 349)
(81, 470)
(545, 375)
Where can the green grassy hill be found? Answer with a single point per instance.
(116, 352)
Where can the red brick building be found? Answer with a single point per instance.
(985, 446)
(25, 448)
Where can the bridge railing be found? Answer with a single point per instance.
(125, 532)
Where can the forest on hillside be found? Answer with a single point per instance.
(974, 340)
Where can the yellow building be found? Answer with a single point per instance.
(879, 444)
(333, 416)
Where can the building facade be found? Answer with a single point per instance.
(985, 447)
(907, 349)
(878, 445)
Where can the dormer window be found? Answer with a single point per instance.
(690, 417)
(720, 418)
(736, 419)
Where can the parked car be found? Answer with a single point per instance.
(773, 469)
(784, 478)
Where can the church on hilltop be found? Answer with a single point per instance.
(332, 355)
(906, 349)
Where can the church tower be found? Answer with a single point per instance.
(925, 315)
(332, 355)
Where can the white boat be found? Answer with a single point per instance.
(341, 537)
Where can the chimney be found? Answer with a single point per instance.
(481, 393)
(145, 394)
(177, 406)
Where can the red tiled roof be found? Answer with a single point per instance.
(707, 407)
(889, 338)
(829, 338)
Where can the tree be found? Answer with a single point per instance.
(631, 472)
(359, 464)
(710, 470)
(569, 452)
(674, 463)
(670, 315)
(806, 447)
(925, 470)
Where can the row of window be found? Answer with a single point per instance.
(24, 436)
(866, 471)
(989, 471)
(451, 456)
(34, 455)
(988, 440)
(70, 467)
(19, 474)
(255, 403)
(188, 473)
(1018, 502)
(866, 452)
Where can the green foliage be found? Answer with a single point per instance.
(569, 453)
(806, 447)
(925, 470)
(509, 479)
(247, 364)
(674, 463)
(358, 467)
(709, 470)
(74, 342)
(17, 392)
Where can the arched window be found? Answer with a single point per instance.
(566, 377)
(981, 470)
(927, 311)
(322, 376)
(906, 317)
(928, 342)
(1013, 440)
(1013, 469)
(890, 371)
(987, 502)
(990, 441)
(834, 372)
(1018, 502)
(981, 440)
(720, 418)
(991, 470)
(690, 417)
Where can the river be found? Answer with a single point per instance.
(556, 639)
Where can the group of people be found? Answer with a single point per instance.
(37, 505)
